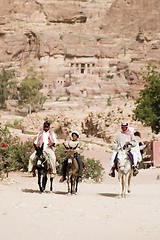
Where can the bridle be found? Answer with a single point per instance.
(122, 163)
(40, 158)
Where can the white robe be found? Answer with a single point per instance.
(47, 150)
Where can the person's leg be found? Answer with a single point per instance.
(135, 170)
(34, 171)
(131, 158)
(51, 158)
(31, 167)
(112, 158)
(80, 164)
(113, 167)
(52, 169)
(63, 170)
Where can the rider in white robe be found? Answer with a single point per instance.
(123, 138)
(47, 137)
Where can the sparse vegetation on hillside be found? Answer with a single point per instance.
(95, 125)
(17, 124)
(6, 85)
(30, 96)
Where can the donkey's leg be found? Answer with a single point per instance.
(44, 182)
(123, 185)
(129, 182)
(51, 184)
(68, 183)
(73, 185)
(120, 184)
(39, 181)
(77, 183)
(71, 180)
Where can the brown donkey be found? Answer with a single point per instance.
(72, 171)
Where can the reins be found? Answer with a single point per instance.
(43, 159)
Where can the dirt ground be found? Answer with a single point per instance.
(94, 213)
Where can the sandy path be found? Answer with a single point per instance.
(95, 212)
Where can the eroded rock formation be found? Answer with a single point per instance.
(98, 47)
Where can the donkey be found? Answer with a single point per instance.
(72, 172)
(124, 171)
(72, 169)
(43, 167)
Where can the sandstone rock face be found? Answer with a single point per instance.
(83, 48)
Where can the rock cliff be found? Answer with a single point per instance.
(99, 46)
(90, 52)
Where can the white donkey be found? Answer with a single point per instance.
(124, 172)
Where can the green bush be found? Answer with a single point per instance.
(93, 170)
(14, 154)
(60, 155)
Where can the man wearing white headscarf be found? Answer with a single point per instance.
(124, 138)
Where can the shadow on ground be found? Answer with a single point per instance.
(111, 195)
(61, 193)
(26, 190)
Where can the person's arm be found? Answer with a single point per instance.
(132, 141)
(141, 145)
(79, 148)
(76, 146)
(65, 144)
(54, 143)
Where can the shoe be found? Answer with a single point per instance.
(33, 174)
(62, 179)
(135, 171)
(112, 173)
(79, 178)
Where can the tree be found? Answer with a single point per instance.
(147, 108)
(29, 92)
(6, 84)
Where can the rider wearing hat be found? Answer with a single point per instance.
(73, 144)
(123, 139)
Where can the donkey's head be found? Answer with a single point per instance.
(122, 159)
(39, 155)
